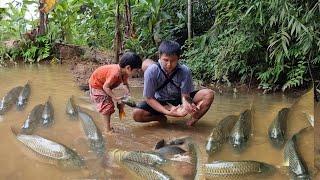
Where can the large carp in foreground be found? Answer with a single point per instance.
(23, 97)
(92, 132)
(9, 99)
(241, 131)
(240, 169)
(278, 127)
(47, 114)
(293, 159)
(52, 152)
(220, 134)
(146, 171)
(33, 120)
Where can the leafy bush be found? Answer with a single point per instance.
(271, 41)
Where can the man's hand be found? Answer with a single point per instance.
(177, 111)
(189, 105)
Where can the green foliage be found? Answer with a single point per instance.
(84, 22)
(269, 40)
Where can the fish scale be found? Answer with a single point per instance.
(51, 149)
(137, 156)
(235, 168)
(53, 152)
(146, 171)
(292, 157)
(93, 134)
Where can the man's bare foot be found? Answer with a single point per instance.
(191, 122)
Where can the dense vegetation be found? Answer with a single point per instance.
(274, 44)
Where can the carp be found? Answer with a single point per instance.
(71, 109)
(241, 131)
(53, 152)
(146, 171)
(278, 127)
(137, 156)
(23, 97)
(33, 120)
(47, 114)
(93, 133)
(9, 99)
(236, 169)
(220, 134)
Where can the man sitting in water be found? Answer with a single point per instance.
(167, 84)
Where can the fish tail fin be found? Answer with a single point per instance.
(310, 118)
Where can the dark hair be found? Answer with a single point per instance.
(131, 59)
(170, 48)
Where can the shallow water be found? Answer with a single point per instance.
(56, 82)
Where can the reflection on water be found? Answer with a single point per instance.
(56, 82)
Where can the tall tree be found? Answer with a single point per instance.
(117, 39)
(42, 26)
(128, 21)
(189, 19)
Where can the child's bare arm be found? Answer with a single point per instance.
(107, 89)
(126, 88)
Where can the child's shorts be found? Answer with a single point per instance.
(103, 102)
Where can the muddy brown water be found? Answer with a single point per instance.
(56, 82)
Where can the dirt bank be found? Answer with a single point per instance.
(82, 61)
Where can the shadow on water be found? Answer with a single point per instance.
(56, 82)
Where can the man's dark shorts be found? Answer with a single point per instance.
(145, 106)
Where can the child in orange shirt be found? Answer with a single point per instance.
(108, 77)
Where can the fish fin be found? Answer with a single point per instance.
(310, 118)
(122, 115)
(160, 144)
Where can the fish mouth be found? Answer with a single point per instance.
(212, 147)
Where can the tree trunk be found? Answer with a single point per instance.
(128, 23)
(42, 26)
(189, 19)
(117, 40)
